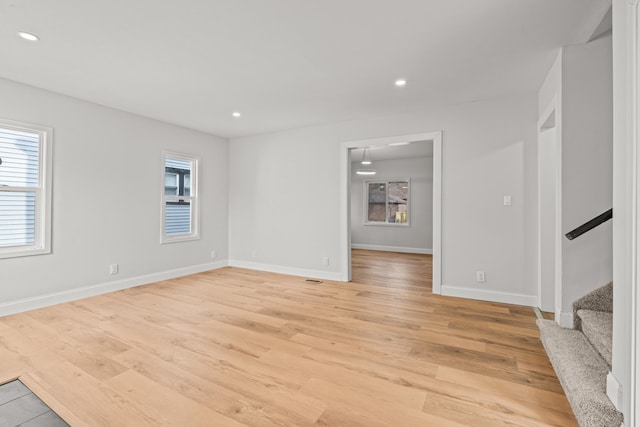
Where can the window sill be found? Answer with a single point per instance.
(10, 252)
(384, 224)
(179, 238)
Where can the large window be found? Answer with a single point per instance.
(179, 197)
(387, 202)
(25, 189)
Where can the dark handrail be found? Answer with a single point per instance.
(591, 224)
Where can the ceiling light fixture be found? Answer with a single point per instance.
(236, 114)
(401, 82)
(366, 163)
(28, 36)
(364, 158)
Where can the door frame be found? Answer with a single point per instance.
(632, 135)
(345, 196)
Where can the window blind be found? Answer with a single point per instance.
(178, 218)
(20, 156)
(17, 218)
(19, 171)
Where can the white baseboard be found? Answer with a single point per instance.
(281, 269)
(566, 320)
(614, 391)
(487, 295)
(32, 303)
(392, 249)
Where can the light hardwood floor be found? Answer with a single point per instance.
(236, 347)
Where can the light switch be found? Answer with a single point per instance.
(507, 200)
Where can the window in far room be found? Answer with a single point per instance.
(387, 202)
(25, 189)
(179, 198)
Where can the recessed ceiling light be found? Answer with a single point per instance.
(366, 172)
(401, 82)
(28, 36)
(236, 114)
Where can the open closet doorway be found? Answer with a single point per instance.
(383, 208)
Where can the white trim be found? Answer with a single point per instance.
(559, 234)
(345, 199)
(345, 217)
(392, 249)
(565, 319)
(493, 296)
(281, 269)
(194, 198)
(26, 304)
(42, 237)
(553, 108)
(538, 313)
(614, 391)
(438, 186)
(633, 132)
(47, 187)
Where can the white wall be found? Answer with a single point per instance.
(551, 89)
(548, 182)
(587, 166)
(106, 199)
(418, 236)
(550, 106)
(620, 388)
(285, 195)
(549, 190)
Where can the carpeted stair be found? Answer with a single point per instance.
(581, 357)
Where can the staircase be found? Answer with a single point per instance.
(581, 357)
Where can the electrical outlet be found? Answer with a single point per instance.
(253, 254)
(480, 276)
(213, 254)
(325, 260)
(113, 269)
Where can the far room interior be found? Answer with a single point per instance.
(392, 198)
(346, 213)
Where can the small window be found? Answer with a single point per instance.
(387, 202)
(25, 189)
(179, 198)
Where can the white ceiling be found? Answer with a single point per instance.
(286, 63)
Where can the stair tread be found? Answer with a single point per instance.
(597, 326)
(582, 373)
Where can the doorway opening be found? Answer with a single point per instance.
(382, 216)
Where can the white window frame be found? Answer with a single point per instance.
(42, 240)
(193, 197)
(177, 184)
(386, 222)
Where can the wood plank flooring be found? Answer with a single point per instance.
(235, 347)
